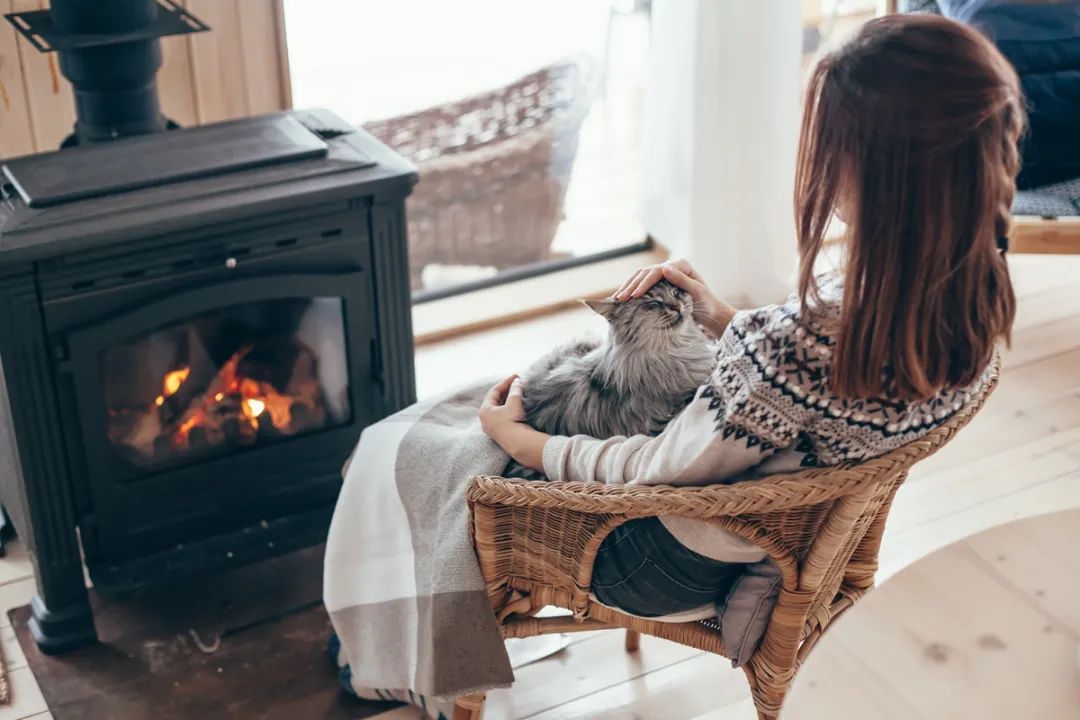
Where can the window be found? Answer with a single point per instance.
(523, 118)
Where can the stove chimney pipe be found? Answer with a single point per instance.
(115, 84)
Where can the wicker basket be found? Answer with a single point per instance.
(494, 169)
(537, 542)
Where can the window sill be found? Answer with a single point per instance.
(504, 304)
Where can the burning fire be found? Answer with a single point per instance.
(253, 403)
(253, 408)
(171, 383)
(173, 380)
(202, 406)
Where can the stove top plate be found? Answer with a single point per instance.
(144, 161)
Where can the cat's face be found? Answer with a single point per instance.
(663, 311)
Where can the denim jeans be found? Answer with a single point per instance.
(641, 568)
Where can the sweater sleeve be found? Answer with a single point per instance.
(735, 421)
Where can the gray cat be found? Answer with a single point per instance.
(646, 371)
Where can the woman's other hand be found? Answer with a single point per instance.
(502, 417)
(710, 311)
(503, 404)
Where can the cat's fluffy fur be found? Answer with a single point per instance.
(646, 371)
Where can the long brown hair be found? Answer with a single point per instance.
(910, 134)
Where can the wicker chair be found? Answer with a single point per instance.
(537, 543)
(494, 169)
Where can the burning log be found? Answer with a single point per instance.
(261, 392)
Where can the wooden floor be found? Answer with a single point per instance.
(1020, 457)
(987, 627)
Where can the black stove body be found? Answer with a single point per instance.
(195, 326)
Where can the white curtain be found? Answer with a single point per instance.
(721, 124)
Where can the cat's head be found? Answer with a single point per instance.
(665, 310)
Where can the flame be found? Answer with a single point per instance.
(188, 424)
(173, 381)
(253, 407)
(280, 409)
(257, 404)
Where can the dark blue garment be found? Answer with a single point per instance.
(641, 568)
(1042, 41)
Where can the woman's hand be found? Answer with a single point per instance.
(502, 417)
(710, 311)
(502, 406)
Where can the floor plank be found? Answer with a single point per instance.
(741, 710)
(934, 510)
(680, 691)
(14, 658)
(974, 627)
(15, 564)
(14, 594)
(588, 667)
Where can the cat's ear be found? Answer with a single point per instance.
(603, 307)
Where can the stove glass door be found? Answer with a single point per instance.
(231, 378)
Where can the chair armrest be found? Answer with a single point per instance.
(773, 493)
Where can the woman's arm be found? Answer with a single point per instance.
(709, 441)
(705, 443)
(711, 312)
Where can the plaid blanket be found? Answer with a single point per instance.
(401, 582)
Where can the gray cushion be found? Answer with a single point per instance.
(1057, 200)
(746, 610)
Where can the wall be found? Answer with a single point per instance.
(237, 69)
(718, 153)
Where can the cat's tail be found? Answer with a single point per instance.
(514, 469)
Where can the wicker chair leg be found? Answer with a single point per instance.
(633, 640)
(767, 691)
(470, 707)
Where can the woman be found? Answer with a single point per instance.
(910, 135)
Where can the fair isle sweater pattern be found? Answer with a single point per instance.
(771, 389)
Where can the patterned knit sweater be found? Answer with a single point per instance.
(767, 408)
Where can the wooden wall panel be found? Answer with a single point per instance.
(284, 71)
(264, 89)
(237, 69)
(52, 107)
(218, 60)
(176, 80)
(16, 130)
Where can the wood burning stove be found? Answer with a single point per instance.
(195, 326)
(188, 365)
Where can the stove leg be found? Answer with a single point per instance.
(60, 615)
(57, 631)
